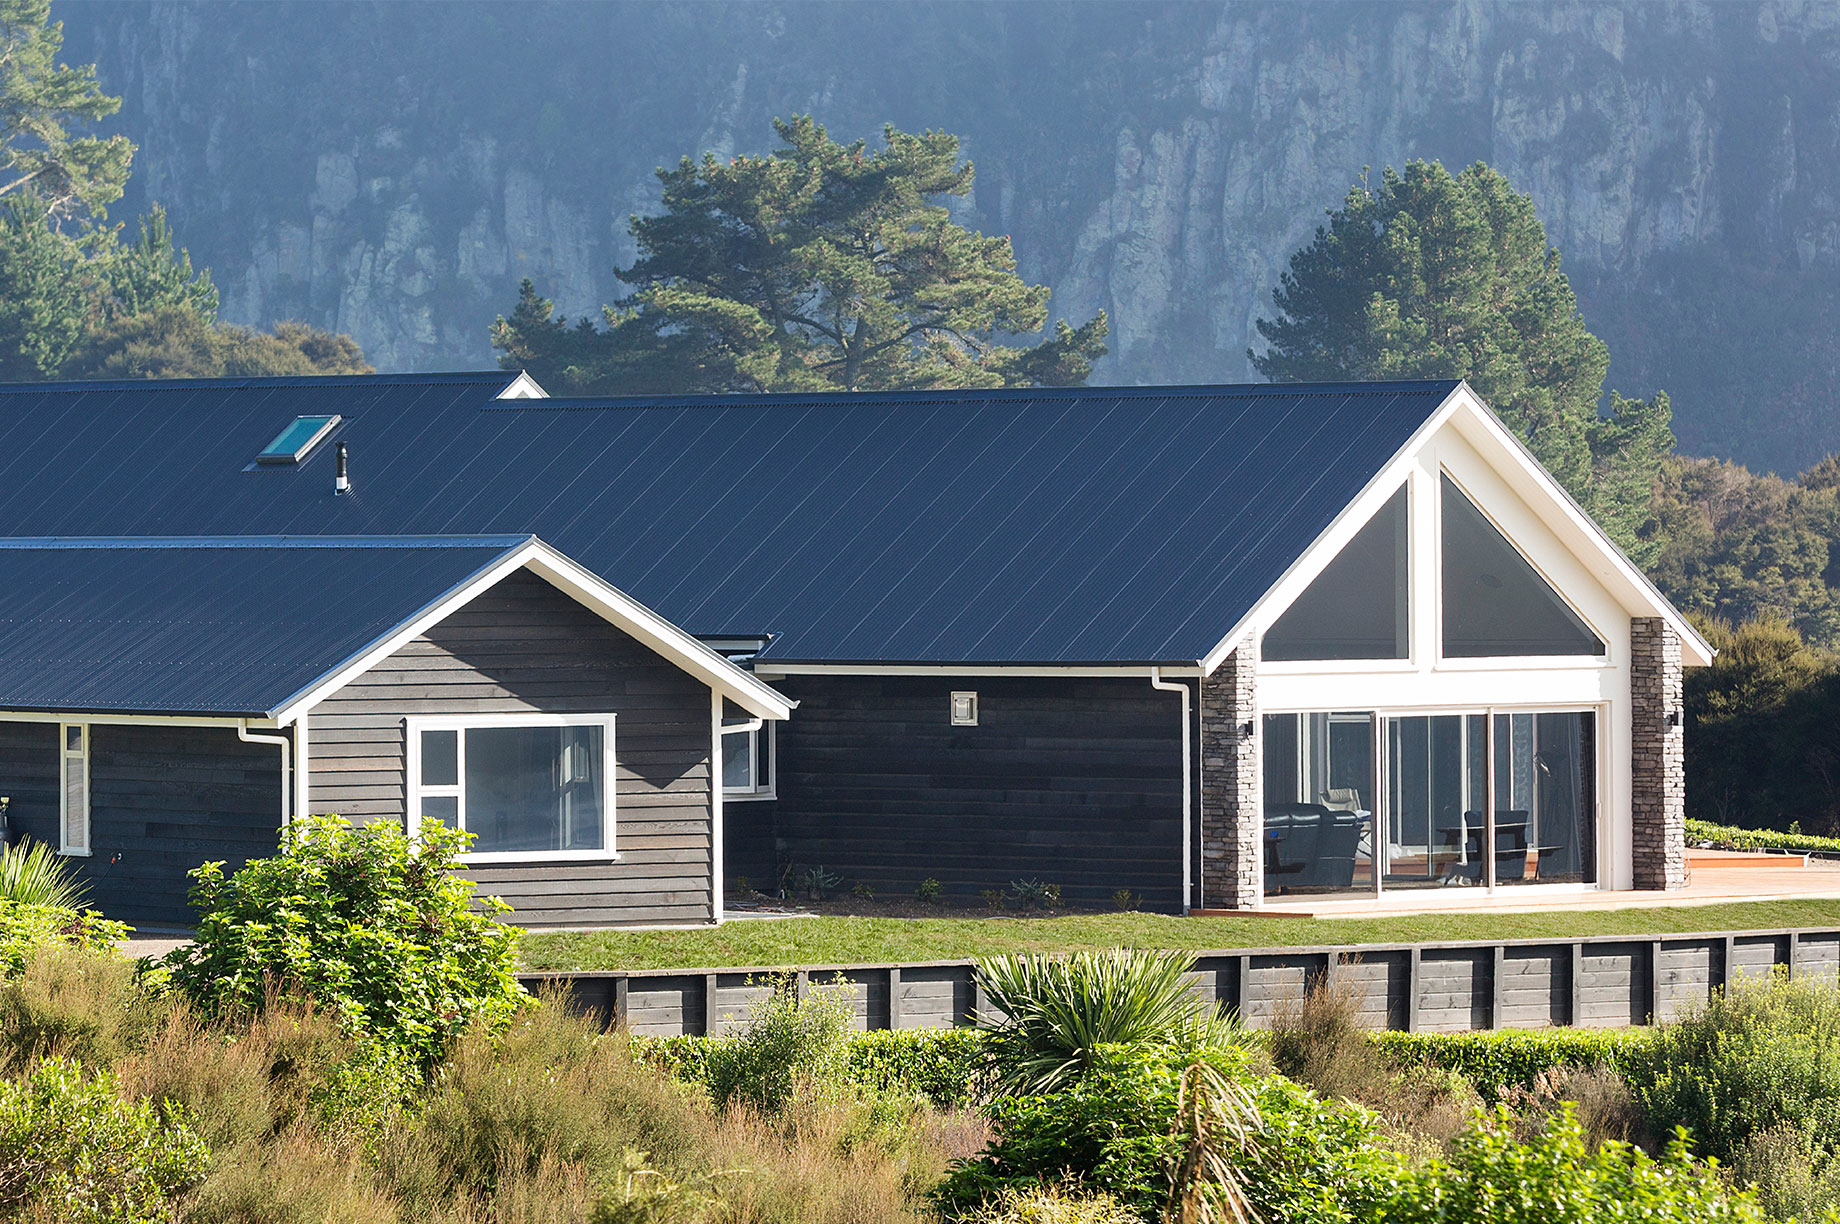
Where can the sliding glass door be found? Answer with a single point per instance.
(1363, 801)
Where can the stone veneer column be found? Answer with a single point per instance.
(1657, 755)
(1230, 782)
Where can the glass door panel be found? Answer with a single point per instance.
(1545, 798)
(1436, 788)
(1319, 803)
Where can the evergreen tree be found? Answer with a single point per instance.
(1435, 275)
(820, 266)
(40, 99)
(177, 341)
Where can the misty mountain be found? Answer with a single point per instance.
(392, 170)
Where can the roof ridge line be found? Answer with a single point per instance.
(73, 543)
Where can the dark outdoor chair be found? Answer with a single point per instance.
(1308, 845)
(1510, 847)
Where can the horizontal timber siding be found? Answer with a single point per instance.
(1522, 983)
(163, 799)
(1074, 781)
(525, 647)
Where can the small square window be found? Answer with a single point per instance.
(964, 710)
(292, 443)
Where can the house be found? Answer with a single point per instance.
(1210, 645)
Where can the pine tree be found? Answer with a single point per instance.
(1435, 275)
(40, 99)
(820, 266)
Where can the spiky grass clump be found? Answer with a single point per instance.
(30, 874)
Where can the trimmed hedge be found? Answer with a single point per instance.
(942, 1065)
(1725, 837)
(1505, 1058)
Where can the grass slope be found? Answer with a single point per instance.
(832, 941)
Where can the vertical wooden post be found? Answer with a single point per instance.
(1795, 953)
(711, 1021)
(1576, 1019)
(620, 1011)
(1244, 988)
(1653, 1007)
(1728, 972)
(894, 996)
(1498, 995)
(1412, 967)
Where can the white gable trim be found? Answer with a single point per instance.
(522, 387)
(587, 589)
(1524, 476)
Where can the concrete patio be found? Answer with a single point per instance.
(1715, 877)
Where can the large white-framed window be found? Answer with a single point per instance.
(73, 789)
(528, 787)
(750, 768)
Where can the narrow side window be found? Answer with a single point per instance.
(73, 802)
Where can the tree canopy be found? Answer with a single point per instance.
(40, 100)
(1435, 275)
(76, 300)
(820, 266)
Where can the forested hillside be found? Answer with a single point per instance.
(393, 170)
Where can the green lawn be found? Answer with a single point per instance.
(831, 941)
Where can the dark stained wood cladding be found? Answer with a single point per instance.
(526, 647)
(1073, 781)
(163, 799)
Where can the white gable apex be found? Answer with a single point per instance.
(1466, 441)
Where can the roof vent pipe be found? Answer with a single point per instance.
(341, 478)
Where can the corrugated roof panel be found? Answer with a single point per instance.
(1079, 525)
(207, 627)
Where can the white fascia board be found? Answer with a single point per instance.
(1515, 464)
(522, 387)
(1336, 536)
(137, 720)
(621, 609)
(381, 649)
(767, 667)
(587, 589)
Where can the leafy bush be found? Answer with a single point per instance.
(72, 1150)
(1725, 837)
(1048, 1015)
(1499, 1059)
(1115, 1131)
(788, 1042)
(1758, 1057)
(1790, 1182)
(1557, 1178)
(927, 891)
(941, 1066)
(369, 923)
(25, 928)
(31, 874)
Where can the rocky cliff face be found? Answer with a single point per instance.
(393, 170)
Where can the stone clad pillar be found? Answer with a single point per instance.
(1231, 783)
(1657, 755)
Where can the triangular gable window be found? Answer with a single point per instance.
(1495, 602)
(1356, 608)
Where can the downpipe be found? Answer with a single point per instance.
(1188, 814)
(287, 763)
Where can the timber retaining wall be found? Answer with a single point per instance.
(1519, 983)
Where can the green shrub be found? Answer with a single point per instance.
(32, 874)
(1048, 1205)
(1758, 1057)
(1726, 837)
(1048, 1015)
(25, 928)
(370, 924)
(927, 891)
(1790, 1182)
(1114, 1131)
(74, 1151)
(1499, 1059)
(941, 1066)
(1557, 1178)
(788, 1042)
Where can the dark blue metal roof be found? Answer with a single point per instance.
(1084, 525)
(195, 626)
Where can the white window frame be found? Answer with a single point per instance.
(413, 727)
(68, 820)
(970, 699)
(766, 734)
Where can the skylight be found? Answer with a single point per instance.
(292, 444)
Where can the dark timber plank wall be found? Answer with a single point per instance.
(526, 647)
(1074, 781)
(1524, 983)
(163, 799)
